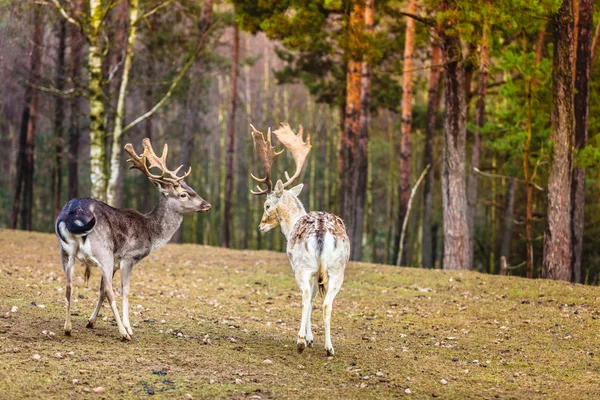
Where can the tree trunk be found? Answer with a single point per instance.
(76, 44)
(24, 168)
(407, 106)
(583, 69)
(508, 219)
(117, 137)
(433, 103)
(473, 184)
(231, 138)
(362, 148)
(557, 235)
(98, 170)
(456, 231)
(350, 143)
(59, 115)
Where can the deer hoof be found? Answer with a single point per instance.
(67, 332)
(330, 352)
(301, 345)
(126, 337)
(90, 325)
(310, 343)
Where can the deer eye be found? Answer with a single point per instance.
(268, 207)
(184, 195)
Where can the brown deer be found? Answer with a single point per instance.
(112, 239)
(317, 244)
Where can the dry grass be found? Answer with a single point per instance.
(225, 312)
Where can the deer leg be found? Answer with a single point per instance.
(313, 293)
(333, 287)
(101, 297)
(106, 265)
(68, 263)
(125, 275)
(304, 284)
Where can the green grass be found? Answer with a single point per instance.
(393, 329)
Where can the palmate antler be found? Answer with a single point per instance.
(266, 153)
(149, 160)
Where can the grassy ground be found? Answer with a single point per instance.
(215, 323)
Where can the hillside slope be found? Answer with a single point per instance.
(207, 319)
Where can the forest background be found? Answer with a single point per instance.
(485, 108)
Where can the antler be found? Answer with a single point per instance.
(296, 145)
(266, 154)
(149, 160)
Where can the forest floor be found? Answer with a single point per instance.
(216, 323)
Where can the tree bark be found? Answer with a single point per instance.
(350, 142)
(76, 45)
(509, 207)
(583, 69)
(98, 170)
(557, 235)
(59, 115)
(117, 137)
(433, 103)
(231, 138)
(407, 106)
(454, 197)
(25, 166)
(473, 184)
(362, 148)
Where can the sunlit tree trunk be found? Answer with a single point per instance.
(59, 116)
(231, 138)
(557, 235)
(117, 142)
(433, 103)
(473, 184)
(583, 69)
(24, 164)
(407, 107)
(509, 206)
(98, 170)
(454, 197)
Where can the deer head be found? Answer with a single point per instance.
(275, 207)
(179, 195)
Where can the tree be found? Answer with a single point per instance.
(25, 165)
(454, 198)
(407, 106)
(231, 137)
(59, 115)
(557, 235)
(583, 69)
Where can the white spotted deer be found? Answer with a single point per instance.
(112, 239)
(317, 244)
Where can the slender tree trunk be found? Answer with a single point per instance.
(595, 42)
(149, 101)
(473, 184)
(350, 144)
(433, 103)
(391, 185)
(98, 170)
(407, 106)
(557, 235)
(454, 196)
(509, 208)
(362, 148)
(76, 44)
(24, 169)
(117, 137)
(583, 69)
(59, 115)
(231, 138)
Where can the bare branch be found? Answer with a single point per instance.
(62, 12)
(155, 9)
(487, 174)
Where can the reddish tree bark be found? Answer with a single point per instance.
(231, 138)
(583, 68)
(25, 166)
(59, 115)
(433, 104)
(406, 127)
(76, 45)
(557, 235)
(454, 197)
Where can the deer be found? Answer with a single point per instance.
(118, 239)
(318, 247)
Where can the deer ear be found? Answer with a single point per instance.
(296, 189)
(278, 189)
(163, 187)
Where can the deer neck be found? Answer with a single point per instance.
(164, 222)
(289, 214)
